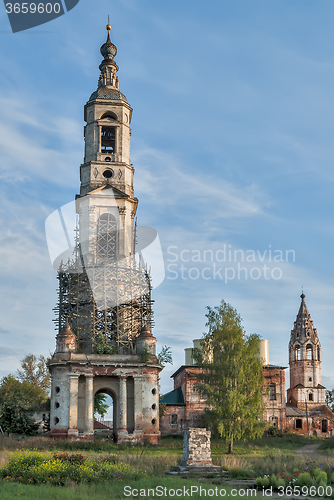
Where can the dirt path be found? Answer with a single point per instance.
(309, 449)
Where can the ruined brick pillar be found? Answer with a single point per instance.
(196, 448)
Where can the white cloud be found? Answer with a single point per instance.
(169, 184)
(36, 143)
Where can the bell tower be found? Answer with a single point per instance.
(106, 174)
(104, 294)
(305, 361)
(104, 311)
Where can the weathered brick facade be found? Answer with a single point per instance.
(131, 382)
(305, 396)
(186, 412)
(274, 397)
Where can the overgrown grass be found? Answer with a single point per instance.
(106, 491)
(264, 446)
(265, 456)
(168, 445)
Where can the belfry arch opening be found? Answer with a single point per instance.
(108, 139)
(309, 354)
(109, 115)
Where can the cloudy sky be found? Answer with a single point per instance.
(232, 144)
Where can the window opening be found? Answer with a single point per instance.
(272, 392)
(299, 423)
(309, 353)
(108, 139)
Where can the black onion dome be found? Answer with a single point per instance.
(108, 50)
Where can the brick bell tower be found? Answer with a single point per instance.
(305, 362)
(104, 311)
(107, 168)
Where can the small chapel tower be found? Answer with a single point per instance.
(305, 361)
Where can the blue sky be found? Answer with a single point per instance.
(232, 147)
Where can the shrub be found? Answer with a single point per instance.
(320, 476)
(274, 431)
(265, 482)
(280, 483)
(273, 481)
(304, 479)
(64, 468)
(259, 482)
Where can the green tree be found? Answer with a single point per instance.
(230, 379)
(330, 399)
(100, 406)
(35, 371)
(165, 356)
(18, 400)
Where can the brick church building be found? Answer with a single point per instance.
(303, 411)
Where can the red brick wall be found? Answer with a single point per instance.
(274, 409)
(166, 426)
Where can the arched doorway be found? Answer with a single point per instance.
(105, 424)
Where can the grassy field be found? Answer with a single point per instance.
(270, 455)
(141, 489)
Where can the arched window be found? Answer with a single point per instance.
(107, 240)
(318, 351)
(297, 353)
(110, 115)
(309, 355)
(310, 396)
(272, 392)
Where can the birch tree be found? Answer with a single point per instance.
(231, 377)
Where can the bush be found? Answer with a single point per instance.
(304, 479)
(64, 468)
(259, 482)
(320, 476)
(280, 483)
(273, 481)
(265, 482)
(274, 431)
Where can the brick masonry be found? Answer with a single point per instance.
(196, 448)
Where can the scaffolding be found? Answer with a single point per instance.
(106, 303)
